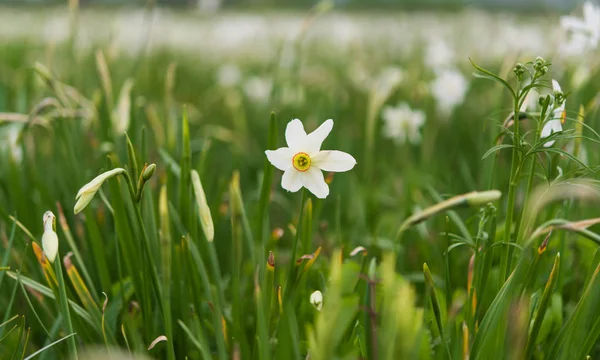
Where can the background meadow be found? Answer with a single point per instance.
(83, 91)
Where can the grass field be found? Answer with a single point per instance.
(449, 231)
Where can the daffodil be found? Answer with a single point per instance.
(557, 117)
(89, 190)
(316, 299)
(401, 123)
(49, 239)
(303, 160)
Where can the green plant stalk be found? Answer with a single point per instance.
(543, 306)
(512, 190)
(152, 269)
(64, 307)
(522, 227)
(292, 270)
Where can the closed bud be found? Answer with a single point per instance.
(148, 172)
(316, 299)
(49, 239)
(89, 190)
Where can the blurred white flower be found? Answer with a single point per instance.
(316, 298)
(449, 89)
(557, 117)
(303, 159)
(438, 54)
(229, 75)
(87, 192)
(584, 32)
(387, 81)
(402, 124)
(49, 239)
(9, 142)
(258, 88)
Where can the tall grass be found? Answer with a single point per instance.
(452, 248)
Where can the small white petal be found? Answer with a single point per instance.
(315, 139)
(95, 184)
(280, 158)
(291, 180)
(314, 181)
(50, 245)
(550, 127)
(333, 160)
(556, 86)
(295, 136)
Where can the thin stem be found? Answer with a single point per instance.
(295, 245)
(64, 307)
(514, 181)
(152, 267)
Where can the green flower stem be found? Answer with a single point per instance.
(512, 189)
(291, 272)
(152, 268)
(64, 307)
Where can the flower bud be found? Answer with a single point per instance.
(483, 197)
(316, 298)
(49, 239)
(89, 190)
(148, 172)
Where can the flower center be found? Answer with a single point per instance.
(301, 161)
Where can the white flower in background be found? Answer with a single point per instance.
(89, 190)
(387, 81)
(258, 88)
(438, 54)
(316, 298)
(303, 160)
(402, 124)
(9, 141)
(584, 32)
(49, 239)
(229, 75)
(449, 89)
(557, 117)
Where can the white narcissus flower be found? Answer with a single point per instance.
(303, 160)
(229, 75)
(584, 32)
(89, 190)
(49, 239)
(316, 298)
(258, 88)
(557, 117)
(401, 123)
(449, 89)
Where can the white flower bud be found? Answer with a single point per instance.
(49, 239)
(316, 298)
(89, 190)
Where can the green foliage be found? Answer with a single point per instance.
(196, 249)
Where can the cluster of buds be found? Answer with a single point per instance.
(540, 66)
(519, 70)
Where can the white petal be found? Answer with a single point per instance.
(315, 139)
(333, 160)
(550, 127)
(291, 180)
(295, 136)
(280, 158)
(556, 86)
(314, 181)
